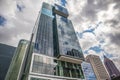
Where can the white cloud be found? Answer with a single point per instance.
(116, 61)
(88, 41)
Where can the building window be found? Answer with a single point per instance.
(67, 69)
(42, 65)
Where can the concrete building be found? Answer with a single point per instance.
(99, 69)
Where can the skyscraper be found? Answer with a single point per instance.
(99, 69)
(6, 54)
(111, 68)
(56, 53)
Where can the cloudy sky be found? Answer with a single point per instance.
(96, 22)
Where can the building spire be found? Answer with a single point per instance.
(104, 56)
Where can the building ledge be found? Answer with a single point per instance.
(70, 59)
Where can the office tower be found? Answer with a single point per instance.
(111, 68)
(6, 54)
(17, 62)
(98, 67)
(56, 53)
(88, 71)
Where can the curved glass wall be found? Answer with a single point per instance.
(17, 61)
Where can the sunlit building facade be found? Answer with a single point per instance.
(99, 69)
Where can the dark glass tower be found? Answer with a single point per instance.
(56, 53)
(6, 54)
(111, 68)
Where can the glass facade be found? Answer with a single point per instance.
(17, 61)
(53, 36)
(67, 39)
(88, 71)
(47, 10)
(68, 69)
(47, 65)
(43, 65)
(44, 36)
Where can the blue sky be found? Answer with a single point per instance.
(2, 20)
(63, 2)
(96, 22)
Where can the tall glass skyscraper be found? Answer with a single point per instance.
(56, 53)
